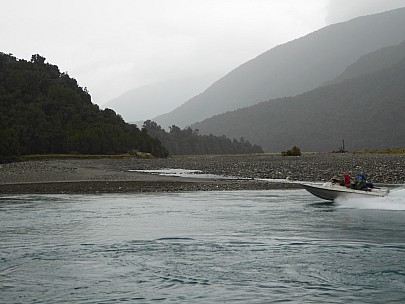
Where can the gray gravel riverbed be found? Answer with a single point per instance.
(114, 175)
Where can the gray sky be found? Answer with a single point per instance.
(112, 46)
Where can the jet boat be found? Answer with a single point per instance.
(330, 191)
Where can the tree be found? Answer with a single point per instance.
(45, 111)
(187, 141)
(294, 151)
(38, 59)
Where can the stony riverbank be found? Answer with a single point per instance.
(113, 175)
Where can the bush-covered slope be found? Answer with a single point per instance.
(45, 111)
(293, 68)
(367, 111)
(373, 62)
(189, 142)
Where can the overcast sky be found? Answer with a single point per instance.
(112, 46)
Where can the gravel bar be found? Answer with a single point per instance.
(114, 175)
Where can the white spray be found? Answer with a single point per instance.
(395, 200)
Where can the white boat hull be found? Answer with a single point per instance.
(331, 191)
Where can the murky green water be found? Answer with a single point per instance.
(201, 247)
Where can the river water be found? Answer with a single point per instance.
(201, 247)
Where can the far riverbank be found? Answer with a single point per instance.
(114, 175)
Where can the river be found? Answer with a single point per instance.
(201, 247)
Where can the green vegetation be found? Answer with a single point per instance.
(189, 142)
(44, 111)
(365, 106)
(294, 151)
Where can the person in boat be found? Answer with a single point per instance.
(369, 184)
(360, 183)
(346, 181)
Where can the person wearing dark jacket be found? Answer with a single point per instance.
(360, 183)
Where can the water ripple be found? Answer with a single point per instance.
(248, 247)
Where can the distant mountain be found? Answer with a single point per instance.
(145, 102)
(373, 62)
(293, 68)
(367, 111)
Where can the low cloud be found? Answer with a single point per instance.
(343, 10)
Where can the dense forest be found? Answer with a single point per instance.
(367, 111)
(290, 69)
(189, 142)
(44, 111)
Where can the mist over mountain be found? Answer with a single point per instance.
(148, 101)
(293, 68)
(367, 111)
(373, 62)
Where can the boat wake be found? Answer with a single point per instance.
(395, 200)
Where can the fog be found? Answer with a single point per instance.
(111, 47)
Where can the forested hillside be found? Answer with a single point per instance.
(189, 142)
(292, 68)
(45, 111)
(373, 62)
(367, 111)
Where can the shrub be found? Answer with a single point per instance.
(295, 151)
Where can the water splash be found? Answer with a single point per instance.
(186, 174)
(395, 200)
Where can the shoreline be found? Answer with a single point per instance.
(88, 176)
(100, 187)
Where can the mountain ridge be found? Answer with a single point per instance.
(372, 62)
(130, 105)
(292, 68)
(368, 111)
